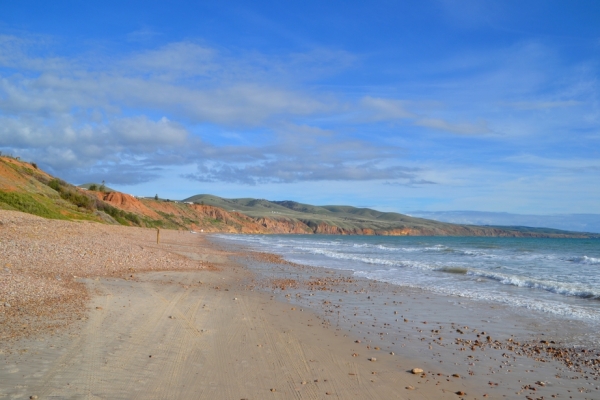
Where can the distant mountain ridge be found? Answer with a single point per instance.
(568, 222)
(352, 220)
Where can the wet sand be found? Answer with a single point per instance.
(230, 324)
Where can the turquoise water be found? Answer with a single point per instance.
(557, 276)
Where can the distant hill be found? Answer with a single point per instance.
(353, 220)
(568, 222)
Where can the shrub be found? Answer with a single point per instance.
(56, 184)
(71, 194)
(121, 216)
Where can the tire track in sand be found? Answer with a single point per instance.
(84, 353)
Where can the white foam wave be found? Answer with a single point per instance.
(353, 257)
(541, 305)
(586, 260)
(562, 288)
(448, 267)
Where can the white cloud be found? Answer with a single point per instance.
(386, 109)
(260, 121)
(176, 59)
(141, 131)
(462, 128)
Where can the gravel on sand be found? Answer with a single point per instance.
(42, 261)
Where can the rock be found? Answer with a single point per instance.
(461, 393)
(372, 359)
(456, 375)
(416, 371)
(303, 382)
(273, 390)
(392, 353)
(98, 308)
(33, 397)
(410, 388)
(6, 305)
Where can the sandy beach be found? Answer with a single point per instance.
(96, 311)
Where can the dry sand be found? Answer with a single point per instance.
(132, 319)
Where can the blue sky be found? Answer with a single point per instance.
(428, 105)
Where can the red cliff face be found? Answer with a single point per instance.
(283, 226)
(128, 203)
(325, 229)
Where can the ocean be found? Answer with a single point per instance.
(560, 277)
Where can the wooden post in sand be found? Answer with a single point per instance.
(157, 235)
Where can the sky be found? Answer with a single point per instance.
(431, 105)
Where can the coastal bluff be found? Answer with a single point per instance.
(26, 188)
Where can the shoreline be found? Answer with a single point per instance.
(195, 320)
(444, 332)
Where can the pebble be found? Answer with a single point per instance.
(410, 388)
(461, 393)
(372, 359)
(33, 397)
(416, 371)
(6, 305)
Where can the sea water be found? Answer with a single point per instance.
(560, 277)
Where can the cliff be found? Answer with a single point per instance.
(23, 187)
